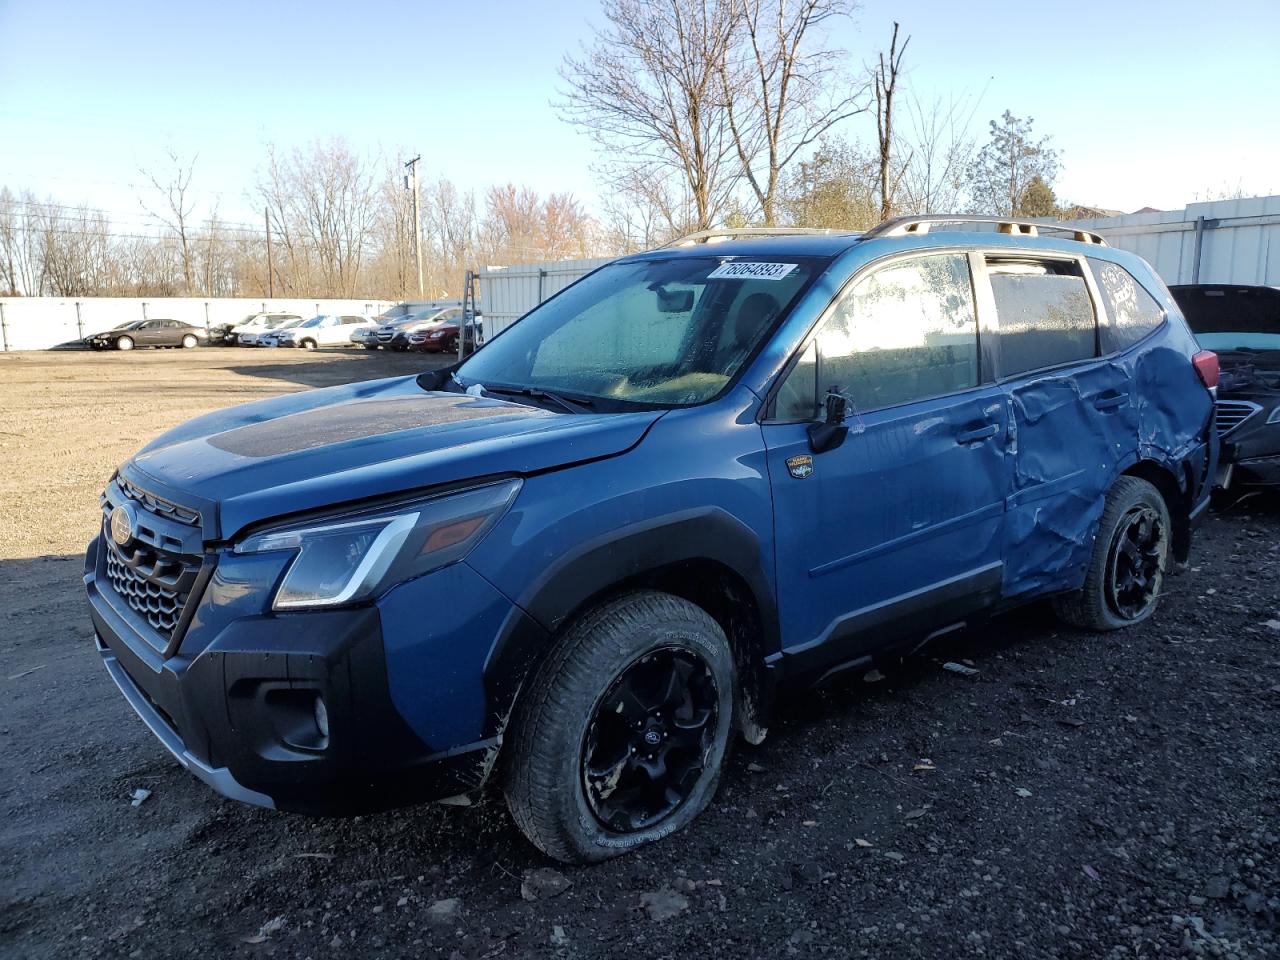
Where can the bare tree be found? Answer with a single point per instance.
(451, 229)
(885, 79)
(649, 88)
(10, 245)
(782, 87)
(935, 179)
(174, 188)
(320, 203)
(642, 209)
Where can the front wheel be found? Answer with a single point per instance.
(124, 343)
(620, 738)
(308, 344)
(189, 341)
(1130, 557)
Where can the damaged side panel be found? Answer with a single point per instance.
(1072, 433)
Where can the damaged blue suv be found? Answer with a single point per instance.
(587, 557)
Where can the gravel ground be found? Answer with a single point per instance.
(1079, 796)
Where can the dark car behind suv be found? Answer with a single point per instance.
(585, 557)
(1242, 325)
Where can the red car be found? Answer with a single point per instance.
(442, 336)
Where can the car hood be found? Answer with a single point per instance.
(327, 447)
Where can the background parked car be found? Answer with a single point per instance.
(257, 323)
(395, 335)
(441, 336)
(271, 338)
(325, 330)
(252, 336)
(149, 333)
(1241, 324)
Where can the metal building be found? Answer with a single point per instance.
(1219, 241)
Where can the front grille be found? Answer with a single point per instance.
(154, 583)
(1231, 414)
(158, 506)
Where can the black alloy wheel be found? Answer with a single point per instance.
(1135, 562)
(619, 737)
(647, 742)
(1128, 559)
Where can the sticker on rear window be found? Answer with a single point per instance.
(750, 270)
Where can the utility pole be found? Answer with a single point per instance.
(417, 222)
(271, 270)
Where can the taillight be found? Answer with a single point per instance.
(1206, 364)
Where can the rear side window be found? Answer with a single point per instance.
(1045, 314)
(904, 332)
(1132, 313)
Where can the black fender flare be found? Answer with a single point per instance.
(704, 533)
(609, 563)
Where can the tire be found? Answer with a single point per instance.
(124, 343)
(307, 344)
(189, 342)
(558, 719)
(1102, 604)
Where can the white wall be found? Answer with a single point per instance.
(1239, 240)
(508, 293)
(37, 323)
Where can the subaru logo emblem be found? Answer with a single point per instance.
(123, 524)
(652, 737)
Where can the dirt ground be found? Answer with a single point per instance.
(1080, 796)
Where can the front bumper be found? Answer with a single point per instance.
(410, 717)
(1255, 472)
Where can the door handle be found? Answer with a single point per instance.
(1110, 401)
(977, 433)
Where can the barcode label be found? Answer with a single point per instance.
(751, 270)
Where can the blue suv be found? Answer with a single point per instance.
(587, 557)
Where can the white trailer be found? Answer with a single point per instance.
(1219, 241)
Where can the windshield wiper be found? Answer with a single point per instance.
(534, 393)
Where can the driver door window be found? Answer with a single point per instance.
(905, 332)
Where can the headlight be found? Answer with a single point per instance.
(351, 559)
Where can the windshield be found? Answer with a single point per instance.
(313, 322)
(660, 332)
(128, 325)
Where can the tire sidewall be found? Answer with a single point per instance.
(590, 838)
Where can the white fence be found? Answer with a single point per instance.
(508, 293)
(37, 323)
(1220, 241)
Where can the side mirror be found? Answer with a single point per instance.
(830, 433)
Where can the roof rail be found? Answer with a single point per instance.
(730, 233)
(910, 226)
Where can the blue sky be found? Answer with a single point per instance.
(1148, 102)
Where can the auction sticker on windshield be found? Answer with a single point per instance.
(743, 270)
